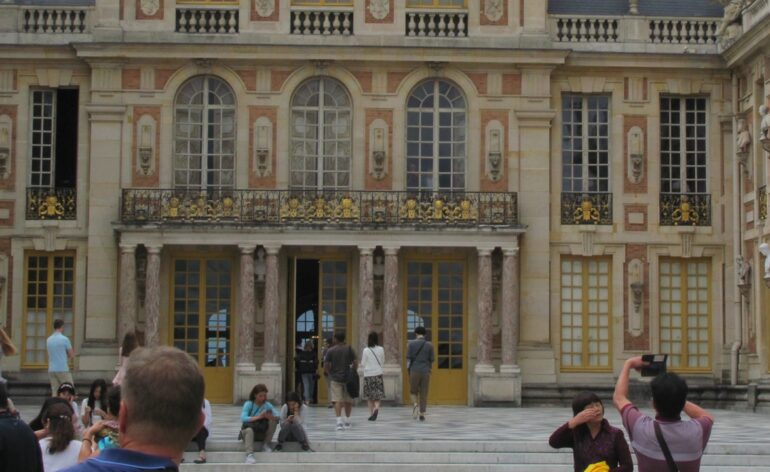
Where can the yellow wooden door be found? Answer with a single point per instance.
(202, 318)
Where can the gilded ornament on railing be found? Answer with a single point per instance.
(580, 208)
(586, 213)
(51, 204)
(346, 210)
(685, 210)
(438, 209)
(409, 210)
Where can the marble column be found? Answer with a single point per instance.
(127, 291)
(366, 295)
(484, 284)
(246, 306)
(152, 297)
(509, 309)
(271, 307)
(390, 300)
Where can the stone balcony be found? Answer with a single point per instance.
(344, 209)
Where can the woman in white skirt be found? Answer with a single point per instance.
(372, 360)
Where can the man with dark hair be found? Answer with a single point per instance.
(419, 362)
(19, 450)
(160, 411)
(339, 358)
(59, 353)
(685, 440)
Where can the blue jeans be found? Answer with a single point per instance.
(308, 385)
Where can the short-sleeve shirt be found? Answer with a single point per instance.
(124, 460)
(340, 356)
(58, 345)
(686, 440)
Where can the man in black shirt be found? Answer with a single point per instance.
(19, 450)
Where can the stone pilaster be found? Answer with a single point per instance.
(509, 312)
(152, 297)
(127, 291)
(366, 295)
(245, 356)
(484, 289)
(392, 375)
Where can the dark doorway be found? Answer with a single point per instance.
(306, 318)
(66, 138)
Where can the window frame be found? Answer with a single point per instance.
(667, 181)
(585, 180)
(51, 159)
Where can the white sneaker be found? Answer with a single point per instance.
(347, 425)
(250, 459)
(266, 448)
(340, 427)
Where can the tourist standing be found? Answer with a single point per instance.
(7, 348)
(419, 362)
(59, 448)
(372, 360)
(160, 411)
(259, 419)
(293, 416)
(59, 353)
(307, 367)
(340, 359)
(686, 440)
(19, 451)
(591, 437)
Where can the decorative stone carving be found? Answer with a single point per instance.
(149, 7)
(764, 127)
(5, 146)
(743, 276)
(764, 249)
(731, 27)
(379, 8)
(378, 132)
(495, 144)
(493, 9)
(743, 137)
(264, 7)
(263, 144)
(145, 147)
(636, 298)
(635, 140)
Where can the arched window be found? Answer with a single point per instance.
(321, 130)
(436, 138)
(204, 134)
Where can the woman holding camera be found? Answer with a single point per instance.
(593, 441)
(292, 421)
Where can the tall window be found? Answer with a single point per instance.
(53, 140)
(204, 134)
(436, 131)
(585, 313)
(49, 294)
(585, 143)
(683, 145)
(321, 131)
(685, 313)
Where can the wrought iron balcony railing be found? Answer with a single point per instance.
(51, 203)
(297, 207)
(762, 202)
(586, 208)
(679, 209)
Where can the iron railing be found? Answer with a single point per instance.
(586, 208)
(51, 203)
(679, 209)
(302, 207)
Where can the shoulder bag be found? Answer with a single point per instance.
(409, 361)
(260, 427)
(672, 467)
(352, 382)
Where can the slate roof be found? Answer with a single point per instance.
(667, 8)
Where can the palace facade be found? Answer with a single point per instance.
(548, 187)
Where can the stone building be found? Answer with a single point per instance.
(548, 187)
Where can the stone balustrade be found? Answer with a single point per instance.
(683, 31)
(586, 29)
(47, 20)
(633, 29)
(435, 23)
(206, 20)
(327, 21)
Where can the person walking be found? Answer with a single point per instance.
(259, 419)
(593, 441)
(307, 367)
(60, 449)
(328, 343)
(59, 353)
(372, 360)
(664, 442)
(293, 417)
(339, 360)
(19, 451)
(160, 411)
(419, 362)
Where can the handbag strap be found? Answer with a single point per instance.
(664, 447)
(375, 356)
(418, 351)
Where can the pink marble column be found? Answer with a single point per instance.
(484, 284)
(366, 295)
(509, 309)
(246, 306)
(390, 300)
(127, 291)
(271, 305)
(152, 297)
